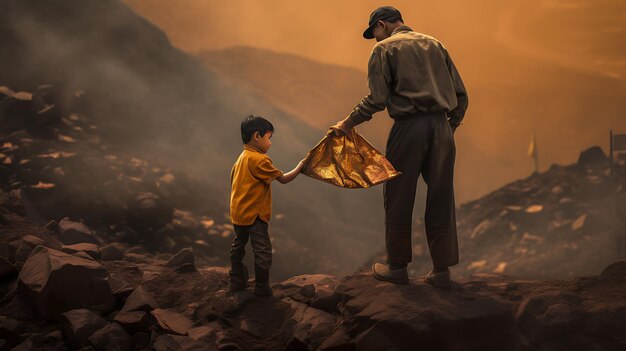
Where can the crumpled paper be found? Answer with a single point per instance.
(347, 161)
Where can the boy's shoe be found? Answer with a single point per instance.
(262, 290)
(262, 282)
(238, 275)
(385, 273)
(439, 279)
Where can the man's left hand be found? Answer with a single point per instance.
(342, 127)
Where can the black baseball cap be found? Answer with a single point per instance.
(380, 14)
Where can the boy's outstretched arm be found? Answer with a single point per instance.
(291, 175)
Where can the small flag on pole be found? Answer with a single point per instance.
(533, 152)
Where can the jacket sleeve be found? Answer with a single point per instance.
(457, 114)
(378, 80)
(265, 171)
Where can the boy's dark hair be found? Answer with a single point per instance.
(253, 124)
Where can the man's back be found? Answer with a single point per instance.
(421, 80)
(411, 73)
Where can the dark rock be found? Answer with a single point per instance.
(147, 212)
(134, 322)
(53, 226)
(71, 233)
(25, 247)
(548, 314)
(10, 330)
(171, 321)
(90, 249)
(593, 157)
(308, 325)
(140, 300)
(186, 268)
(314, 279)
(326, 299)
(338, 341)
(111, 252)
(616, 269)
(204, 332)
(7, 269)
(142, 340)
(418, 315)
(307, 290)
(57, 282)
(168, 342)
(111, 337)
(184, 256)
(124, 292)
(42, 342)
(78, 325)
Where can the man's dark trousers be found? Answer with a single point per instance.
(421, 144)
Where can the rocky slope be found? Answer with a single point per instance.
(565, 222)
(63, 287)
(153, 102)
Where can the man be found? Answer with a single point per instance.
(412, 75)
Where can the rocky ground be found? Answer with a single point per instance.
(134, 260)
(63, 291)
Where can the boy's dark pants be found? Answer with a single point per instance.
(421, 144)
(261, 246)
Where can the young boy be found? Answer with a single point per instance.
(251, 204)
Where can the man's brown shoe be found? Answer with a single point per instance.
(439, 279)
(385, 273)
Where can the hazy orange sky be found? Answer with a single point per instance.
(572, 32)
(554, 67)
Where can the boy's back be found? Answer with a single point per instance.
(251, 193)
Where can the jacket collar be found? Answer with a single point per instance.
(402, 28)
(251, 148)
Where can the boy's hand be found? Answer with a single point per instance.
(301, 164)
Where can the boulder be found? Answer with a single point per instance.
(420, 316)
(307, 290)
(7, 269)
(615, 270)
(25, 247)
(78, 325)
(168, 342)
(90, 249)
(111, 337)
(134, 321)
(10, 330)
(548, 314)
(593, 157)
(171, 321)
(57, 282)
(326, 299)
(140, 300)
(111, 252)
(182, 258)
(52, 341)
(71, 233)
(310, 326)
